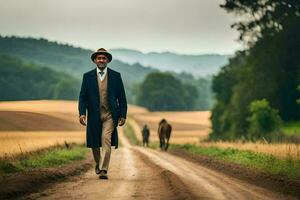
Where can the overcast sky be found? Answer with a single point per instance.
(181, 26)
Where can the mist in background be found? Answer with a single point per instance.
(185, 27)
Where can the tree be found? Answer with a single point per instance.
(264, 120)
(28, 81)
(268, 69)
(162, 91)
(261, 17)
(298, 100)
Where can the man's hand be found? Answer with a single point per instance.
(82, 120)
(122, 121)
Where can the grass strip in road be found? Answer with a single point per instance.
(51, 157)
(129, 133)
(287, 167)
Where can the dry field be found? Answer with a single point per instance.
(280, 150)
(193, 127)
(30, 125)
(16, 142)
(188, 127)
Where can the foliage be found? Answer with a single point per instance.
(162, 91)
(259, 18)
(264, 122)
(27, 81)
(298, 100)
(203, 85)
(76, 61)
(291, 128)
(269, 69)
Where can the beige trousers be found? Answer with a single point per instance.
(105, 151)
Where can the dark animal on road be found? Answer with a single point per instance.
(164, 134)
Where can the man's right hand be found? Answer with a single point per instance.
(82, 120)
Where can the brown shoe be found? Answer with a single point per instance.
(103, 174)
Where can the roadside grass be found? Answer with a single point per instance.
(285, 167)
(154, 145)
(282, 150)
(291, 128)
(129, 133)
(55, 156)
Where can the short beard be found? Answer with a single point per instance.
(102, 66)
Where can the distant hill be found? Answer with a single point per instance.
(69, 60)
(199, 65)
(72, 62)
(66, 58)
(28, 81)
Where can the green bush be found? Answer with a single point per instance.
(264, 121)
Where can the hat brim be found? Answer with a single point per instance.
(108, 55)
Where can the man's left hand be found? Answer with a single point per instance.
(122, 121)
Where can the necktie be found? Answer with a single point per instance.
(101, 73)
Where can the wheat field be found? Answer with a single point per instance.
(27, 126)
(188, 127)
(16, 142)
(31, 125)
(194, 127)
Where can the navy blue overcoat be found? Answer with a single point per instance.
(89, 101)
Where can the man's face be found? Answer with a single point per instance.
(101, 61)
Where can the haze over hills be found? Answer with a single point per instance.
(74, 60)
(66, 58)
(71, 62)
(29, 81)
(198, 65)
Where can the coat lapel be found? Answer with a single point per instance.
(94, 82)
(109, 82)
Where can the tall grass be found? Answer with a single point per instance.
(268, 163)
(55, 156)
(278, 150)
(19, 142)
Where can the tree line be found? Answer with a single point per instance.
(67, 59)
(258, 87)
(21, 80)
(164, 92)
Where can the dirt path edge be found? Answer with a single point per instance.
(20, 184)
(262, 179)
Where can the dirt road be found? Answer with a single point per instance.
(140, 173)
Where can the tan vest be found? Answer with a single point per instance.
(102, 85)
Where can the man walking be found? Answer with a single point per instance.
(102, 95)
(145, 134)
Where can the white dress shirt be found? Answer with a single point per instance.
(103, 75)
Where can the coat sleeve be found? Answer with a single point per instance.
(82, 103)
(122, 98)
